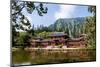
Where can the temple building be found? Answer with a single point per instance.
(59, 39)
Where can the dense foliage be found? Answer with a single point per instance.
(20, 21)
(90, 27)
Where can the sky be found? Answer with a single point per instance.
(56, 11)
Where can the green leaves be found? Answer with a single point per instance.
(19, 19)
(41, 10)
(92, 9)
(25, 21)
(23, 39)
(30, 7)
(90, 30)
(90, 26)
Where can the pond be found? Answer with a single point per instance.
(50, 56)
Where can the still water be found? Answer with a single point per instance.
(43, 56)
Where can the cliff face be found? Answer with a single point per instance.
(72, 26)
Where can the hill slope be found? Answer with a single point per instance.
(72, 26)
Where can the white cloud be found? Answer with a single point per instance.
(65, 11)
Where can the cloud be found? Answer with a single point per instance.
(65, 11)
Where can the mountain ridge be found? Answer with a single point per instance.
(69, 25)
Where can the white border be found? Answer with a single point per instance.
(5, 33)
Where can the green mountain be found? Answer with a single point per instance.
(72, 26)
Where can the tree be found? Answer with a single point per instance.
(18, 18)
(90, 27)
(23, 39)
(92, 9)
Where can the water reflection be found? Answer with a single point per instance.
(42, 56)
